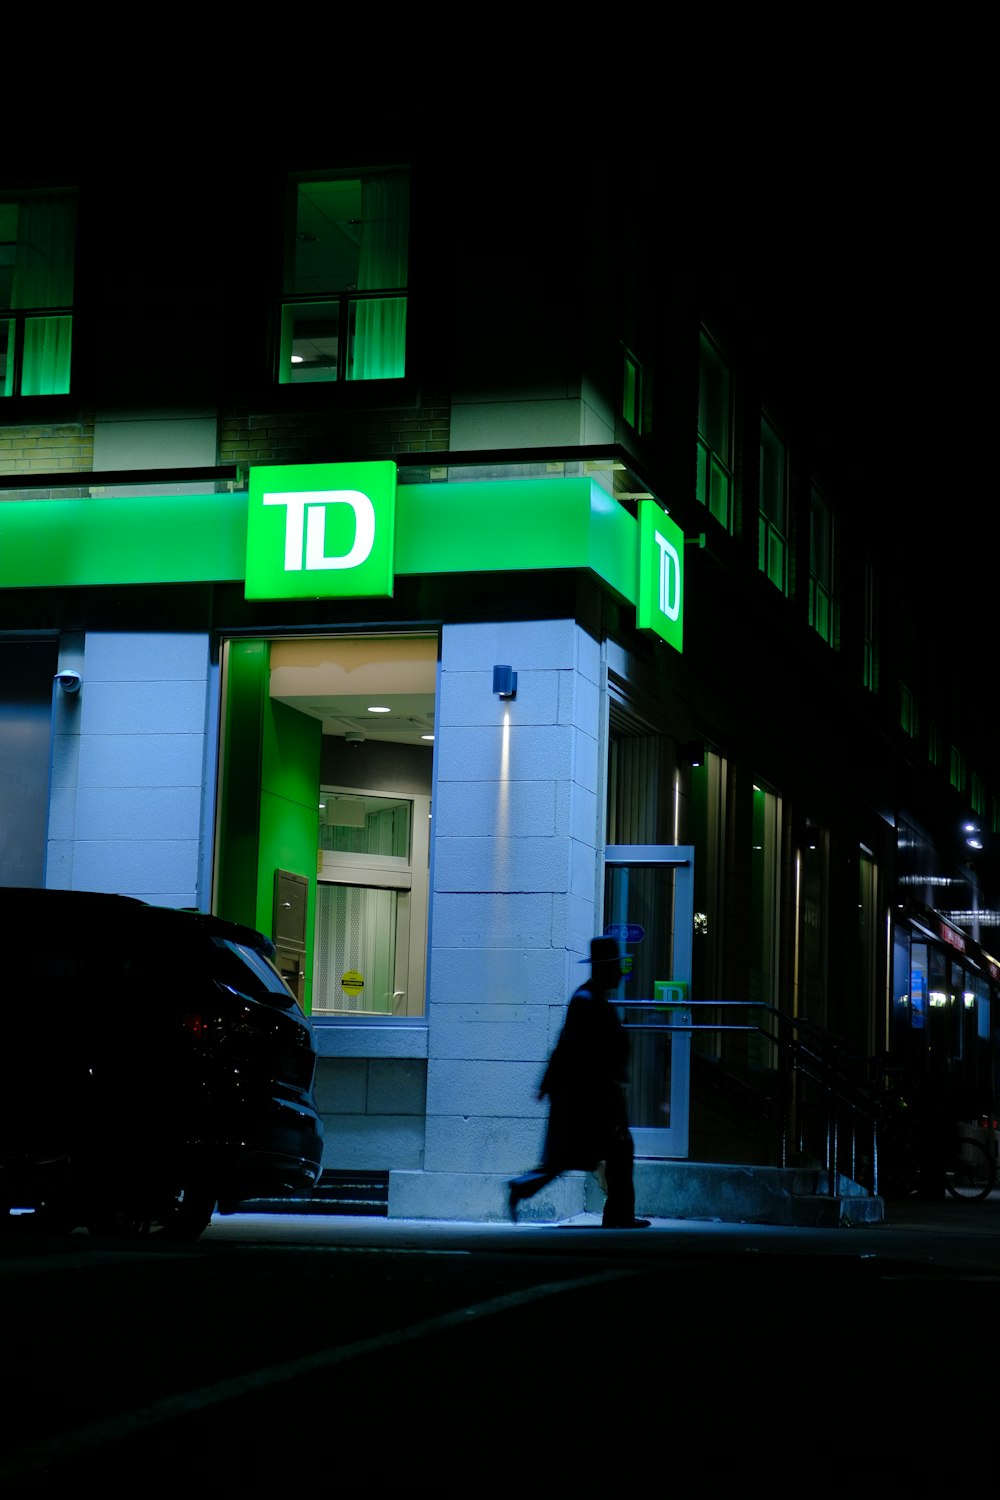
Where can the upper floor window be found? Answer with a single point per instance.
(344, 297)
(772, 534)
(821, 596)
(632, 393)
(715, 434)
(37, 236)
(869, 662)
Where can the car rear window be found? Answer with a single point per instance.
(248, 972)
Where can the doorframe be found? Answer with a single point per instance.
(673, 1141)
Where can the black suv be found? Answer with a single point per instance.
(154, 1066)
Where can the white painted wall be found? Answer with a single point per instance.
(516, 827)
(133, 768)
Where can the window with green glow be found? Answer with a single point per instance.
(956, 769)
(633, 330)
(773, 516)
(976, 794)
(344, 298)
(909, 716)
(37, 237)
(632, 392)
(821, 594)
(714, 483)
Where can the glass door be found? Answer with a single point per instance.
(371, 904)
(649, 907)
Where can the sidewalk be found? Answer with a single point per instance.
(959, 1235)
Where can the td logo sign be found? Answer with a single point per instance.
(660, 605)
(321, 531)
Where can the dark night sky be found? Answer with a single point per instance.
(869, 281)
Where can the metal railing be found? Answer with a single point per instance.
(822, 1095)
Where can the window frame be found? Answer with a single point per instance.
(715, 477)
(347, 306)
(822, 569)
(773, 533)
(22, 321)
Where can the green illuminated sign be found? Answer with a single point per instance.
(321, 531)
(661, 575)
(343, 530)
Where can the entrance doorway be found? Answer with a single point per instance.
(327, 759)
(649, 907)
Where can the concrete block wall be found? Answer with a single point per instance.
(133, 768)
(373, 1112)
(514, 885)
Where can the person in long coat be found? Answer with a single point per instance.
(585, 1085)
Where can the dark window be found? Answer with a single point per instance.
(715, 434)
(870, 662)
(773, 518)
(821, 593)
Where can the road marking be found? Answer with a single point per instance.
(66, 1446)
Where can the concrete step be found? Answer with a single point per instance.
(747, 1195)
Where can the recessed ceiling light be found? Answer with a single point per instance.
(376, 708)
(296, 359)
(426, 736)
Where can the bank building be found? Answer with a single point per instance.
(435, 607)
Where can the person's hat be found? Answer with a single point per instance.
(603, 950)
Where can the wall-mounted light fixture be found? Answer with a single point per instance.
(505, 682)
(68, 681)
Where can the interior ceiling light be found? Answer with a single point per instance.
(426, 736)
(377, 708)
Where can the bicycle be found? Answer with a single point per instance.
(971, 1172)
(966, 1165)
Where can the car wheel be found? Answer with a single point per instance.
(184, 1217)
(113, 1222)
(188, 1216)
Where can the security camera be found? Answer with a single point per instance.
(68, 681)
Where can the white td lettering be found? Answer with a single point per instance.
(306, 522)
(670, 571)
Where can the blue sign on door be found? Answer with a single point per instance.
(625, 932)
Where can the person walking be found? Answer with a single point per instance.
(584, 1082)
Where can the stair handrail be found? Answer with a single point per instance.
(805, 1049)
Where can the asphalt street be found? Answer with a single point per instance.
(323, 1349)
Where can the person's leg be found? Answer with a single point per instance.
(526, 1186)
(619, 1209)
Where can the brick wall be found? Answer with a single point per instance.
(325, 436)
(47, 448)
